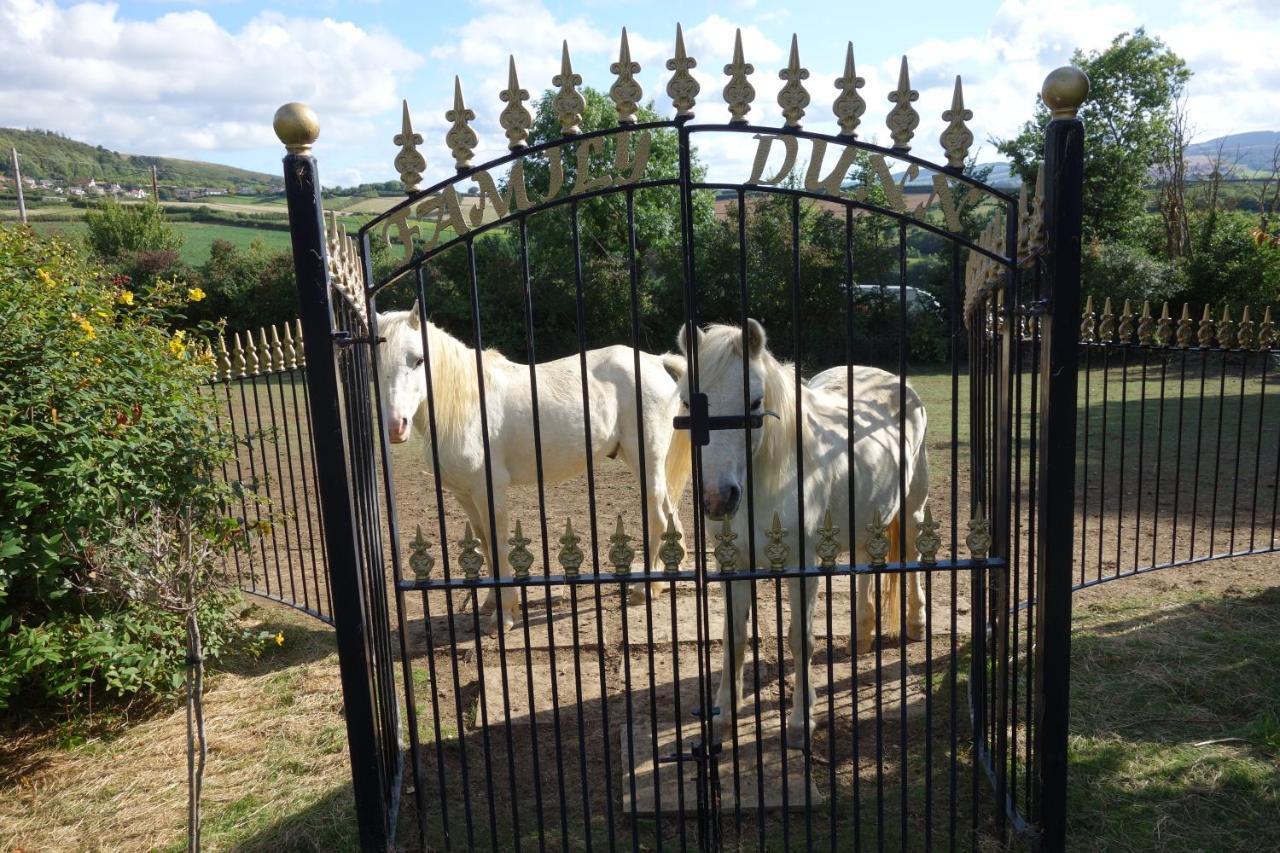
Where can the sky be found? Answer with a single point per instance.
(202, 79)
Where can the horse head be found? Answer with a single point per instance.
(400, 369)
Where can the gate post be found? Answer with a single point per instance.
(1063, 92)
(297, 127)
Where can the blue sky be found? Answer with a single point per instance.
(202, 79)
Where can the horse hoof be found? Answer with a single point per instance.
(915, 632)
(488, 605)
(636, 594)
(863, 646)
(796, 733)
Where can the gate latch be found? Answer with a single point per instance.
(700, 422)
(344, 339)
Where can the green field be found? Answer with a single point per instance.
(198, 236)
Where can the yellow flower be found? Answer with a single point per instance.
(85, 326)
(99, 312)
(46, 278)
(280, 639)
(125, 297)
(178, 344)
(195, 294)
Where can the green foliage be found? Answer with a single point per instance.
(118, 231)
(1133, 86)
(1230, 264)
(101, 412)
(1112, 268)
(46, 154)
(246, 287)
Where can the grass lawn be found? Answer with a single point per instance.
(198, 236)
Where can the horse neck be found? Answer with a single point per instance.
(774, 462)
(454, 389)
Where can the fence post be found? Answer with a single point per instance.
(1063, 92)
(297, 127)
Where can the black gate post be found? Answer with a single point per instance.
(297, 127)
(1064, 90)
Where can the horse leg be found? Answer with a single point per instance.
(507, 599)
(739, 600)
(480, 528)
(917, 495)
(805, 695)
(657, 505)
(864, 614)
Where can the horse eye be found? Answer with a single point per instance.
(757, 402)
(684, 404)
(419, 362)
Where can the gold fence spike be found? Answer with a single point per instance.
(620, 551)
(1266, 330)
(738, 93)
(570, 554)
(793, 98)
(268, 357)
(1164, 326)
(671, 552)
(1106, 323)
(1204, 334)
(1184, 326)
(568, 103)
(460, 138)
(1035, 216)
(1244, 334)
(420, 560)
(849, 105)
(927, 539)
(682, 89)
(238, 358)
(979, 538)
(903, 118)
(625, 91)
(515, 118)
(1088, 323)
(957, 138)
(290, 351)
(520, 558)
(828, 547)
(1126, 323)
(470, 559)
(1146, 325)
(1226, 329)
(726, 552)
(409, 161)
(302, 351)
(777, 550)
(224, 360)
(877, 541)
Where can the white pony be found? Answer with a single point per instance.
(611, 385)
(771, 389)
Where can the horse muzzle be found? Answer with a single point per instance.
(722, 502)
(398, 430)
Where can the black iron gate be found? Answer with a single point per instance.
(586, 707)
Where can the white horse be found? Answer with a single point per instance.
(771, 389)
(614, 432)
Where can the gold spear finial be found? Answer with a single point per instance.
(682, 88)
(793, 98)
(903, 118)
(568, 102)
(738, 93)
(620, 551)
(625, 91)
(927, 539)
(726, 552)
(849, 105)
(777, 551)
(420, 560)
(828, 547)
(460, 138)
(515, 118)
(571, 555)
(671, 552)
(877, 541)
(957, 138)
(520, 557)
(409, 162)
(470, 559)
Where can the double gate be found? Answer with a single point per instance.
(918, 700)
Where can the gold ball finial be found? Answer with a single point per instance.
(1064, 91)
(297, 126)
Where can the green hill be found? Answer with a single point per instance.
(45, 154)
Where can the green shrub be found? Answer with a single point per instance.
(1123, 270)
(101, 412)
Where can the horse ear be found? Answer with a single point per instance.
(674, 365)
(415, 320)
(682, 340)
(755, 338)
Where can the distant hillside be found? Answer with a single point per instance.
(45, 154)
(1248, 151)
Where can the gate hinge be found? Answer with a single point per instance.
(700, 422)
(1037, 308)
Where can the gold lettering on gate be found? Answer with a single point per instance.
(831, 184)
(404, 230)
(766, 141)
(583, 182)
(942, 192)
(630, 168)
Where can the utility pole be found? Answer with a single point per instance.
(155, 187)
(17, 182)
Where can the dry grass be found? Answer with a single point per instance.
(277, 776)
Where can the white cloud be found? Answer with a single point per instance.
(182, 83)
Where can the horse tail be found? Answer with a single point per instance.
(891, 587)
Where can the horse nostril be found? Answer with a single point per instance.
(734, 495)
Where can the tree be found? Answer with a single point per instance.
(117, 231)
(1133, 87)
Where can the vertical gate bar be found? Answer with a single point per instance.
(546, 562)
(296, 524)
(751, 515)
(297, 128)
(957, 331)
(1124, 419)
(1177, 464)
(977, 589)
(903, 578)
(1033, 497)
(432, 427)
(1104, 440)
(1085, 419)
(1013, 589)
(314, 476)
(388, 483)
(849, 285)
(302, 430)
(1235, 476)
(1160, 454)
(279, 531)
(1217, 453)
(257, 486)
(244, 509)
(1257, 477)
(732, 619)
(1142, 457)
(496, 561)
(266, 479)
(1203, 356)
(597, 588)
(1064, 90)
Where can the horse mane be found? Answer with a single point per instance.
(720, 350)
(455, 392)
